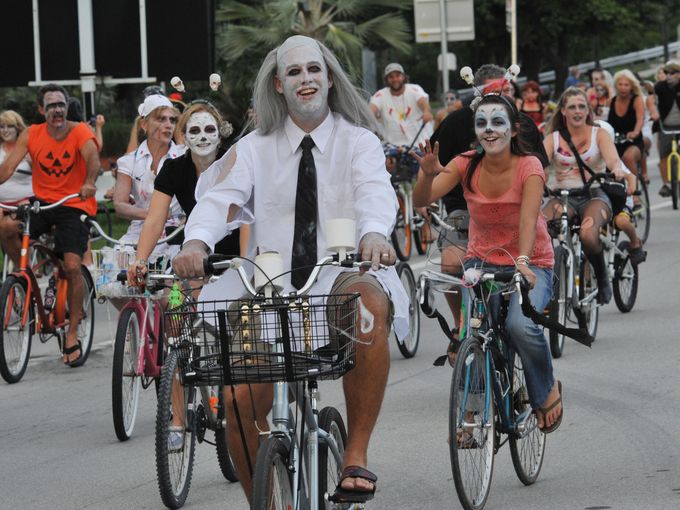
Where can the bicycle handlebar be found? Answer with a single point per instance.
(36, 207)
(217, 263)
(89, 221)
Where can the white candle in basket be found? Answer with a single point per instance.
(269, 266)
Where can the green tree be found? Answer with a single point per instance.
(247, 31)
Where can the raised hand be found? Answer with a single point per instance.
(429, 161)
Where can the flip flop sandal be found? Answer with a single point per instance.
(546, 410)
(70, 350)
(354, 495)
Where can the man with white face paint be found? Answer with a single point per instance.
(309, 116)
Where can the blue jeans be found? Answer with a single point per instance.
(525, 337)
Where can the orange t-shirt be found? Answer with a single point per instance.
(494, 222)
(58, 166)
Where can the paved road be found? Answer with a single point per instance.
(618, 447)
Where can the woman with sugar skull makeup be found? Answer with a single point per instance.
(204, 131)
(503, 186)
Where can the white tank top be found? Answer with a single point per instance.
(567, 173)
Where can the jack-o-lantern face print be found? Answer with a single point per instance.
(56, 165)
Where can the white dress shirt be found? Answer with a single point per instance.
(351, 183)
(137, 165)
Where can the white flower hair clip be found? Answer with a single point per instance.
(226, 129)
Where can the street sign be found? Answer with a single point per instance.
(451, 62)
(460, 20)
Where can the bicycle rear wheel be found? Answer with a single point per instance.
(86, 324)
(625, 283)
(527, 446)
(559, 303)
(15, 339)
(175, 444)
(330, 468)
(125, 382)
(273, 481)
(401, 235)
(471, 425)
(223, 458)
(409, 346)
(588, 285)
(642, 218)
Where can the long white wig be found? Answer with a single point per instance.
(343, 98)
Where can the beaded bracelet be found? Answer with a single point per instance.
(522, 259)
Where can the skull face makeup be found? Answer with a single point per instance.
(493, 128)
(202, 135)
(302, 78)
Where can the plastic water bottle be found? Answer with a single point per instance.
(50, 293)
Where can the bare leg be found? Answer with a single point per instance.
(622, 222)
(365, 385)
(663, 169)
(76, 290)
(252, 421)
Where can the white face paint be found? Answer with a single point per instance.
(302, 78)
(202, 134)
(493, 128)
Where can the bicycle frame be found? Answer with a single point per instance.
(150, 333)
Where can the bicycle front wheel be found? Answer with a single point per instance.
(642, 218)
(409, 346)
(625, 282)
(471, 425)
(588, 286)
(673, 162)
(527, 444)
(330, 467)
(125, 382)
(86, 324)
(175, 436)
(15, 338)
(401, 235)
(273, 481)
(559, 303)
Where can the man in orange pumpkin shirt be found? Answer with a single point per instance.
(65, 161)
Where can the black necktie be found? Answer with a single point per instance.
(304, 238)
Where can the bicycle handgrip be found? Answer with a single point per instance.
(503, 277)
(210, 260)
(122, 276)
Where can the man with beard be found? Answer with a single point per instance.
(311, 158)
(65, 161)
(456, 135)
(402, 108)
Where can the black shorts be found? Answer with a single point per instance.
(70, 234)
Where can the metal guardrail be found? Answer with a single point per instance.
(618, 60)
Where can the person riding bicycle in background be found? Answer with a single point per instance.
(205, 133)
(138, 169)
(65, 161)
(18, 189)
(503, 186)
(455, 136)
(667, 93)
(531, 103)
(452, 103)
(597, 150)
(626, 116)
(600, 92)
(403, 110)
(313, 157)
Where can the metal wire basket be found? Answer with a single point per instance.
(108, 263)
(250, 341)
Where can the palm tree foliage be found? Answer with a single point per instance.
(247, 30)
